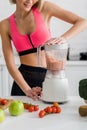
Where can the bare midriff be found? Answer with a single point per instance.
(32, 60)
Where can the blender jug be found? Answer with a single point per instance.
(56, 59)
(55, 86)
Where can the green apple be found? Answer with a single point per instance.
(2, 115)
(16, 108)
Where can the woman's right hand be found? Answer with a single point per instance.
(34, 93)
(56, 40)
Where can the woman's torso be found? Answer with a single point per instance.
(29, 26)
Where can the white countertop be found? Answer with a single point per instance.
(77, 63)
(68, 119)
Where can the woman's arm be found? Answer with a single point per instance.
(78, 23)
(10, 62)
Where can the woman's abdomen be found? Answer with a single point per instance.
(33, 60)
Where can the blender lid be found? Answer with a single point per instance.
(56, 46)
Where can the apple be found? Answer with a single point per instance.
(16, 108)
(2, 115)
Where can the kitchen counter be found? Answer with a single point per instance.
(68, 119)
(77, 63)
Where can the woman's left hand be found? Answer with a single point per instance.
(37, 90)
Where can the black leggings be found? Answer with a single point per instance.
(34, 76)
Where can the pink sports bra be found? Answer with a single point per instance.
(28, 43)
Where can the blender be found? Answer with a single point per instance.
(56, 86)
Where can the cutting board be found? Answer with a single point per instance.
(6, 105)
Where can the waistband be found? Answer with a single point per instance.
(32, 68)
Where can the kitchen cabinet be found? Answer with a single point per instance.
(0, 82)
(4, 81)
(75, 71)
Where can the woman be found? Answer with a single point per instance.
(28, 28)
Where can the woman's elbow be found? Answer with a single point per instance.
(82, 21)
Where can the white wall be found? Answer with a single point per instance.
(80, 8)
(6, 9)
(58, 27)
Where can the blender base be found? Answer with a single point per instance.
(47, 102)
(55, 90)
